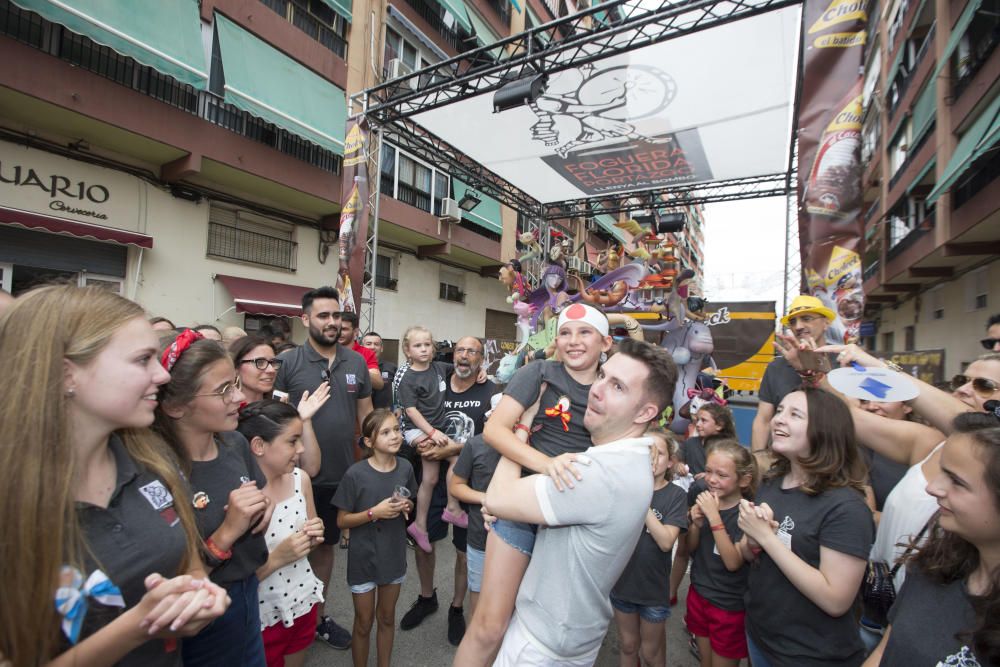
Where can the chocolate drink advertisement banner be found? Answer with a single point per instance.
(829, 171)
(353, 229)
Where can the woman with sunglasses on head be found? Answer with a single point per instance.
(99, 547)
(257, 365)
(197, 416)
(948, 613)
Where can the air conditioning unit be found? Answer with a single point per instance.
(398, 69)
(450, 210)
(575, 264)
(590, 224)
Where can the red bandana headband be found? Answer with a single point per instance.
(181, 343)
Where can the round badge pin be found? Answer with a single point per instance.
(200, 500)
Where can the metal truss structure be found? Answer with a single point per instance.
(754, 187)
(366, 318)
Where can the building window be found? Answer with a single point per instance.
(398, 48)
(411, 181)
(977, 289)
(247, 237)
(385, 273)
(451, 286)
(888, 342)
(910, 333)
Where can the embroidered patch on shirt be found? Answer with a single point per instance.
(157, 495)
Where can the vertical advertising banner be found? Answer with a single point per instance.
(829, 172)
(353, 230)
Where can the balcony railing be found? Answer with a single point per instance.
(328, 33)
(911, 237)
(502, 8)
(872, 210)
(82, 52)
(431, 12)
(246, 246)
(904, 83)
(981, 53)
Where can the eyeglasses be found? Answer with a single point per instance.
(471, 351)
(982, 386)
(263, 362)
(227, 392)
(989, 343)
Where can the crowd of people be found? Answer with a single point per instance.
(178, 495)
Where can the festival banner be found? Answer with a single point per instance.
(353, 229)
(829, 167)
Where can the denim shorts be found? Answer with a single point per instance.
(474, 560)
(648, 614)
(517, 534)
(361, 589)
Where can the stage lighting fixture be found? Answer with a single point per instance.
(469, 200)
(519, 92)
(670, 222)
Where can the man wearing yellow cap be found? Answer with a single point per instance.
(808, 319)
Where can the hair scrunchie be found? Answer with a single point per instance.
(181, 343)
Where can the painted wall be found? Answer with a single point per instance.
(959, 330)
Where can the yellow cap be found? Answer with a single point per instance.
(803, 304)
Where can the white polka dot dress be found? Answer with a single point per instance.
(293, 590)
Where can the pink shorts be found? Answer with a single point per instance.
(280, 641)
(726, 630)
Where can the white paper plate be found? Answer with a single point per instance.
(873, 384)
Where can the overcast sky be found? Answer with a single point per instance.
(745, 250)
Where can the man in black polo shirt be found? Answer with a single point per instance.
(808, 319)
(381, 398)
(321, 359)
(466, 403)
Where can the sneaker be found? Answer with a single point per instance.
(461, 519)
(456, 625)
(419, 537)
(420, 610)
(332, 634)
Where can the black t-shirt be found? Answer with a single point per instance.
(779, 380)
(476, 465)
(377, 551)
(466, 411)
(883, 475)
(694, 455)
(382, 398)
(424, 390)
(646, 579)
(925, 621)
(565, 401)
(709, 575)
(138, 533)
(211, 483)
(783, 622)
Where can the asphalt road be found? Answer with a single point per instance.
(427, 645)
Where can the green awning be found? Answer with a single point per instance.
(484, 33)
(607, 223)
(924, 110)
(163, 35)
(342, 7)
(459, 12)
(487, 212)
(957, 33)
(268, 84)
(981, 136)
(919, 177)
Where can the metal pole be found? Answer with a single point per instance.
(367, 316)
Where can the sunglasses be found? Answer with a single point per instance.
(981, 386)
(227, 392)
(263, 362)
(989, 343)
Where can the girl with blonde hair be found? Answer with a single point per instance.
(100, 549)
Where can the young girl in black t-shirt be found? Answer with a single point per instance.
(810, 532)
(715, 614)
(948, 611)
(373, 500)
(641, 597)
(197, 415)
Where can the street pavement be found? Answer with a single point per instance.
(427, 645)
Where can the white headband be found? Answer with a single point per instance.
(579, 312)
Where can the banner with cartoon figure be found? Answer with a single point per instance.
(353, 215)
(829, 136)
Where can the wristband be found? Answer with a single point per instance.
(522, 427)
(214, 549)
(431, 434)
(718, 526)
(371, 516)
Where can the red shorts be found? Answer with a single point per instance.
(725, 630)
(280, 641)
